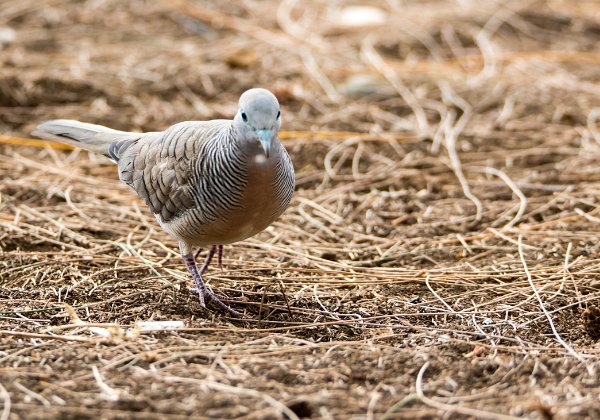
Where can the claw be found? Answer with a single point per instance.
(222, 297)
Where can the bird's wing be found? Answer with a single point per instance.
(160, 166)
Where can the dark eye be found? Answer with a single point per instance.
(244, 116)
(278, 115)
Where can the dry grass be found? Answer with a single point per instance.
(440, 256)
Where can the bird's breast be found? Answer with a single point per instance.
(259, 205)
(250, 197)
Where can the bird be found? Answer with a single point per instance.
(208, 183)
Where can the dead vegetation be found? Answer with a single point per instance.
(440, 256)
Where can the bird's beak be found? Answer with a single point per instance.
(265, 140)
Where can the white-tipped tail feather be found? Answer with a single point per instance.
(92, 137)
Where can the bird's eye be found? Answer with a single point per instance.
(278, 115)
(244, 116)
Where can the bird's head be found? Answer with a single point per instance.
(258, 118)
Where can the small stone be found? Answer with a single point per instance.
(242, 58)
(361, 16)
(7, 36)
(330, 256)
(415, 299)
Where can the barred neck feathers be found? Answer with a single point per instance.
(220, 176)
(285, 180)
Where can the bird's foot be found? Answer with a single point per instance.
(207, 295)
(222, 297)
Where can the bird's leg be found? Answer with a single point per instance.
(215, 248)
(220, 256)
(204, 292)
(218, 249)
(220, 264)
(208, 259)
(190, 264)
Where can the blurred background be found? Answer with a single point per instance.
(445, 222)
(370, 67)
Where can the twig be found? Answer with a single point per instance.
(216, 18)
(451, 134)
(438, 297)
(237, 390)
(568, 273)
(107, 392)
(515, 189)
(45, 336)
(6, 403)
(32, 394)
(27, 142)
(589, 368)
(315, 72)
(370, 55)
(450, 408)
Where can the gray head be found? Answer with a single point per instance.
(258, 118)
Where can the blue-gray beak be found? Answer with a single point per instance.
(265, 140)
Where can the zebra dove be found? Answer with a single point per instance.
(209, 183)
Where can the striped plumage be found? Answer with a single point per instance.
(209, 183)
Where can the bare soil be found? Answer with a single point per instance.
(440, 257)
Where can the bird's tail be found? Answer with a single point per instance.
(92, 137)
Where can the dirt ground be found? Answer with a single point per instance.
(441, 256)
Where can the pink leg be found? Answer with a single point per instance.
(204, 293)
(220, 256)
